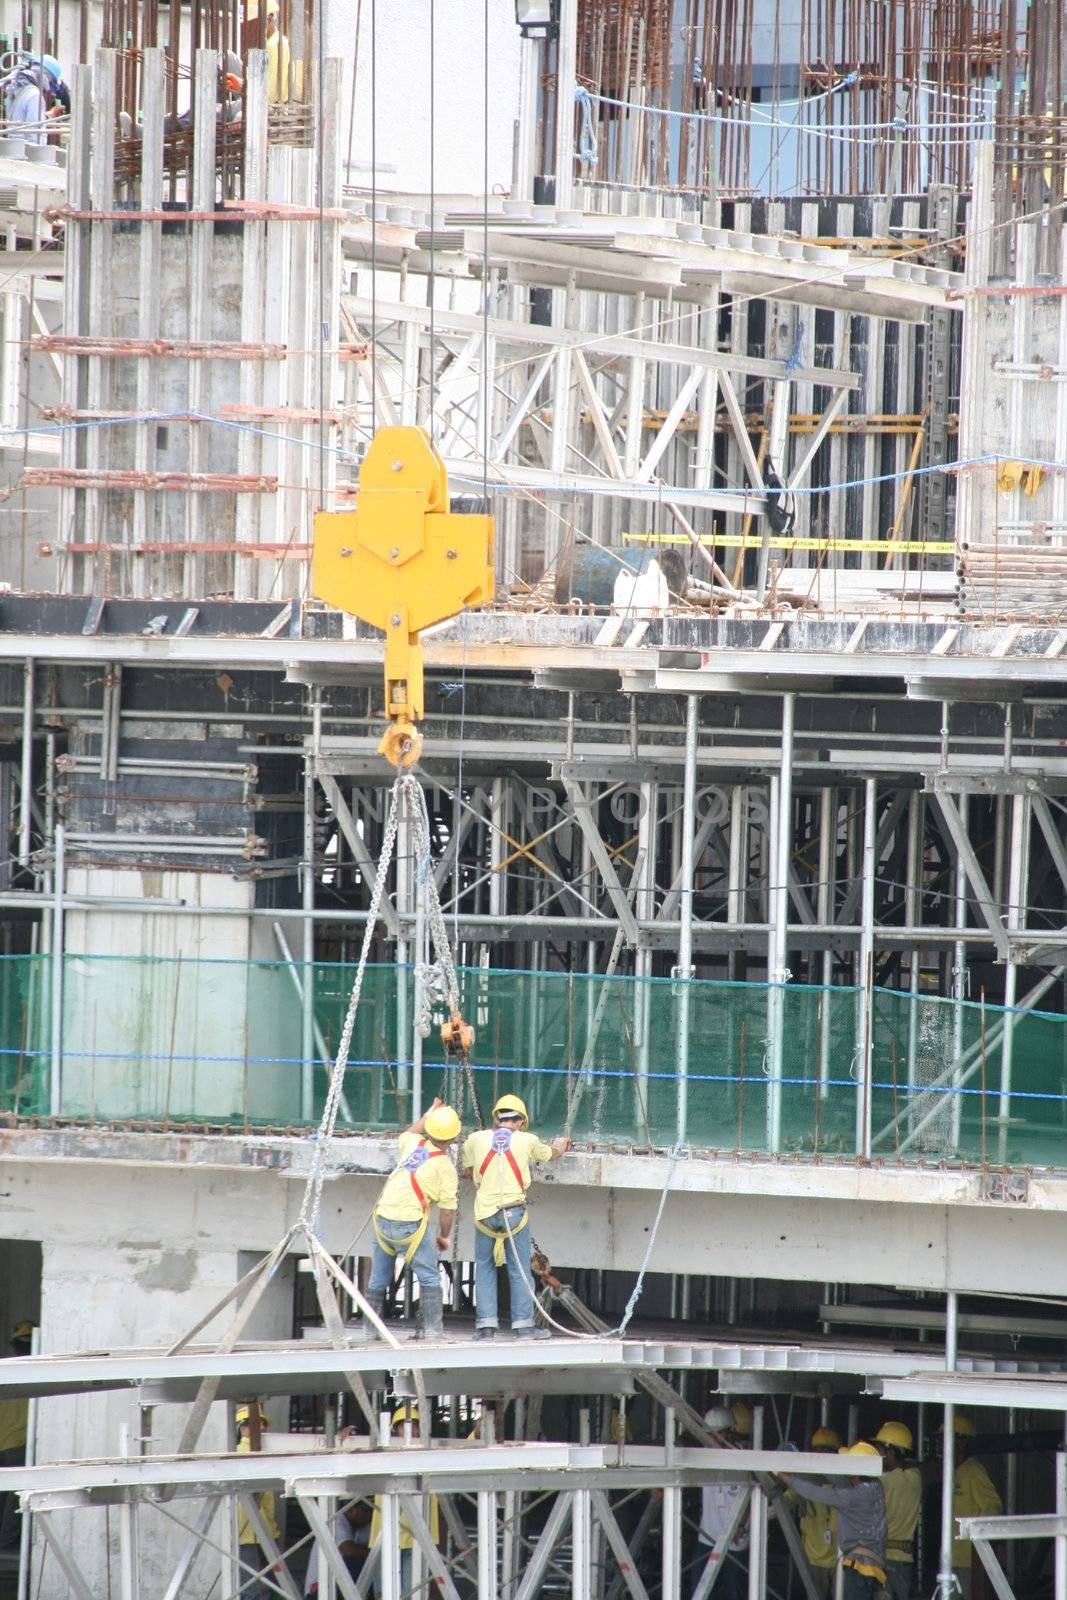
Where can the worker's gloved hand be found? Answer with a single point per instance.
(561, 1145)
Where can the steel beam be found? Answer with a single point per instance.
(583, 815)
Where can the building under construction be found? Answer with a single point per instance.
(714, 354)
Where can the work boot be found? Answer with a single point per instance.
(375, 1298)
(485, 1333)
(431, 1313)
(530, 1333)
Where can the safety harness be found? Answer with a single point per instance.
(500, 1150)
(392, 1247)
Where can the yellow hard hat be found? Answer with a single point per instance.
(962, 1427)
(860, 1448)
(826, 1439)
(741, 1412)
(243, 1413)
(898, 1434)
(442, 1124)
(511, 1102)
(404, 1413)
(22, 1332)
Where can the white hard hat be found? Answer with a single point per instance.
(718, 1419)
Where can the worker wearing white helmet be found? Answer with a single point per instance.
(498, 1160)
(902, 1485)
(424, 1177)
(721, 1511)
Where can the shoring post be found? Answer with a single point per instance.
(487, 1563)
(959, 983)
(129, 1555)
(30, 1460)
(582, 1528)
(684, 969)
(825, 903)
(1059, 1544)
(55, 1087)
(757, 1521)
(946, 1582)
(389, 1578)
(307, 999)
(1019, 849)
(865, 997)
(780, 822)
(26, 766)
(566, 83)
(671, 1571)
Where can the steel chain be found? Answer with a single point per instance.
(309, 1210)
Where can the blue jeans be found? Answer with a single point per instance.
(732, 1582)
(423, 1263)
(405, 1575)
(518, 1256)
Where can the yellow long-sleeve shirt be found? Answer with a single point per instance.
(278, 57)
(903, 1490)
(818, 1530)
(246, 1534)
(974, 1495)
(13, 1419)
(406, 1537)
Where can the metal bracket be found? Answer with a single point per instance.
(1006, 1188)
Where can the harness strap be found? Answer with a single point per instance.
(425, 1154)
(410, 1242)
(501, 1236)
(505, 1151)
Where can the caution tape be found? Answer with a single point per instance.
(856, 547)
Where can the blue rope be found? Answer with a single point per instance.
(586, 132)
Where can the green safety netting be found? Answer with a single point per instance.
(220, 1042)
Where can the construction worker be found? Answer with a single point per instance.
(405, 1418)
(425, 1177)
(719, 1509)
(861, 1524)
(278, 57)
(902, 1486)
(818, 1523)
(14, 1416)
(250, 1552)
(973, 1495)
(351, 1529)
(498, 1160)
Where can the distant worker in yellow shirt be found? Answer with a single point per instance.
(498, 1159)
(902, 1486)
(974, 1495)
(250, 1552)
(278, 57)
(425, 1177)
(14, 1416)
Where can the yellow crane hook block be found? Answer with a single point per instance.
(402, 560)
